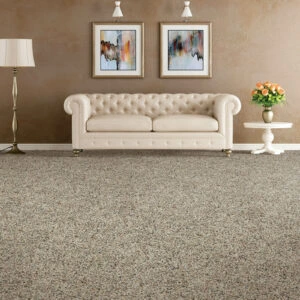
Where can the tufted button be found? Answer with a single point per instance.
(201, 102)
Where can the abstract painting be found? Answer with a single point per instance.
(186, 50)
(118, 50)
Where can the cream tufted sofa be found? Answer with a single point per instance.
(152, 121)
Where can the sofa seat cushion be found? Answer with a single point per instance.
(185, 122)
(119, 123)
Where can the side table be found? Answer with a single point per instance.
(268, 136)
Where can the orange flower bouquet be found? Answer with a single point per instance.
(268, 94)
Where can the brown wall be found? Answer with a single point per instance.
(252, 40)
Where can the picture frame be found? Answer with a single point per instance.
(186, 50)
(118, 50)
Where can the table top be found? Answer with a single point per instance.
(268, 125)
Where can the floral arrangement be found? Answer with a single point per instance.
(268, 94)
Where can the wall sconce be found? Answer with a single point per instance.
(117, 12)
(186, 11)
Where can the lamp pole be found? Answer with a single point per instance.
(15, 149)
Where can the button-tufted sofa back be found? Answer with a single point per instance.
(152, 105)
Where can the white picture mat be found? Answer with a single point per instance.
(206, 50)
(97, 50)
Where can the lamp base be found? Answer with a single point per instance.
(15, 150)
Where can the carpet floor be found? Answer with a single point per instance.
(149, 225)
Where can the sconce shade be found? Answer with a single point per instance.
(186, 11)
(16, 53)
(117, 12)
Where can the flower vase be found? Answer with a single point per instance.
(267, 114)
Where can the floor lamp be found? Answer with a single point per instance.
(16, 53)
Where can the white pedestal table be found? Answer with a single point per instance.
(268, 136)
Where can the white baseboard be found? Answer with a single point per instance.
(248, 147)
(41, 147)
(68, 147)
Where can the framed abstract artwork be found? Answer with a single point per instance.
(186, 50)
(118, 50)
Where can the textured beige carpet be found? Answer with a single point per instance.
(149, 225)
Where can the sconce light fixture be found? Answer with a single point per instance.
(117, 12)
(186, 11)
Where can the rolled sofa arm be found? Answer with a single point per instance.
(226, 106)
(79, 106)
(74, 102)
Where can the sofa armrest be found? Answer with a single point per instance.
(79, 106)
(78, 103)
(226, 106)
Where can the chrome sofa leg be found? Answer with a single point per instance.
(76, 152)
(227, 152)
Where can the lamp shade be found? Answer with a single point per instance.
(16, 53)
(186, 11)
(117, 11)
